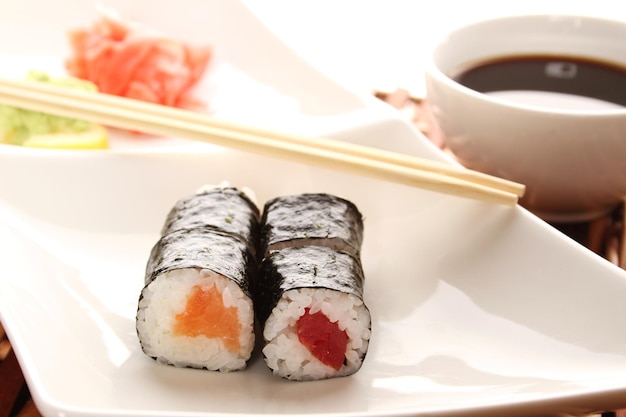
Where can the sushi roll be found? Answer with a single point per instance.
(196, 307)
(309, 297)
(311, 219)
(315, 323)
(223, 207)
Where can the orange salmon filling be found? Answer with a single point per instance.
(206, 315)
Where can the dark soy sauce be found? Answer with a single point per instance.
(553, 81)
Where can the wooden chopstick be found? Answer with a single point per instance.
(318, 142)
(163, 120)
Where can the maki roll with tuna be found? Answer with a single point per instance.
(315, 324)
(196, 308)
(312, 219)
(309, 298)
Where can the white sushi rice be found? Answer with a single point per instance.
(166, 296)
(288, 358)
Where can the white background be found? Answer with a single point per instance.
(366, 45)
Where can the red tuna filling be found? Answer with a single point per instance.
(322, 338)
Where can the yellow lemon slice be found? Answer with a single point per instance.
(94, 138)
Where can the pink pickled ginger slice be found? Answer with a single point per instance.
(126, 62)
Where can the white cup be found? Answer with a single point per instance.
(573, 161)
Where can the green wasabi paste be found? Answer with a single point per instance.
(18, 125)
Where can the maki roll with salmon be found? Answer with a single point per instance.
(226, 208)
(196, 308)
(309, 298)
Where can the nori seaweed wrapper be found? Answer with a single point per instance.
(204, 248)
(227, 209)
(311, 219)
(305, 267)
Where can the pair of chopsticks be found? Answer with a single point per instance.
(326, 153)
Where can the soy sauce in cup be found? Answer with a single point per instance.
(563, 82)
(572, 160)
